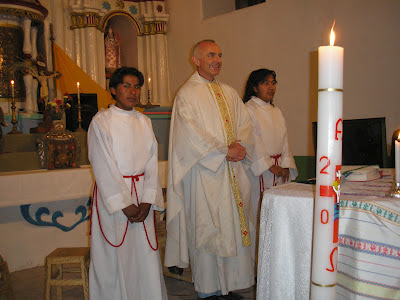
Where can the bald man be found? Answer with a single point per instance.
(209, 213)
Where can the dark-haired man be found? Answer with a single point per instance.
(124, 258)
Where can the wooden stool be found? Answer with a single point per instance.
(67, 256)
(5, 282)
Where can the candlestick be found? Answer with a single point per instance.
(394, 191)
(329, 161)
(79, 129)
(397, 158)
(14, 121)
(148, 105)
(12, 89)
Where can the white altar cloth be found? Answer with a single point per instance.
(24, 245)
(369, 242)
(42, 186)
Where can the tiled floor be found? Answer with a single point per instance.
(29, 285)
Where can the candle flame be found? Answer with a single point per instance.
(398, 138)
(12, 82)
(149, 79)
(77, 84)
(332, 38)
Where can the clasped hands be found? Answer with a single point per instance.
(280, 172)
(137, 214)
(236, 152)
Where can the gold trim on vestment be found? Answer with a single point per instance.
(323, 285)
(330, 90)
(226, 116)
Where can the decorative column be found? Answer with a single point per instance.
(153, 57)
(85, 22)
(10, 30)
(26, 26)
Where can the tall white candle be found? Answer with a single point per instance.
(79, 95)
(12, 88)
(149, 84)
(397, 158)
(328, 167)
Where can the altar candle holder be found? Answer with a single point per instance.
(79, 129)
(148, 104)
(14, 120)
(394, 192)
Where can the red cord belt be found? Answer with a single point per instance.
(133, 187)
(262, 189)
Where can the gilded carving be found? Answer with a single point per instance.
(9, 56)
(82, 20)
(154, 27)
(35, 17)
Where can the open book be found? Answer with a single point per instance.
(360, 173)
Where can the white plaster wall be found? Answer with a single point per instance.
(284, 35)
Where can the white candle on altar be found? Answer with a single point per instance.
(149, 84)
(12, 88)
(329, 161)
(397, 158)
(79, 95)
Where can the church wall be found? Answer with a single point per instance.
(284, 36)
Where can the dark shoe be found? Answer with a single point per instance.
(175, 270)
(209, 298)
(231, 296)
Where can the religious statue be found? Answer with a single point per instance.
(41, 75)
(112, 47)
(38, 72)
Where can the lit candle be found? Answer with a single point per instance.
(397, 158)
(329, 162)
(149, 84)
(79, 95)
(12, 88)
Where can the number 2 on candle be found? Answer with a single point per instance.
(328, 163)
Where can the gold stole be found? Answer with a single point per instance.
(226, 116)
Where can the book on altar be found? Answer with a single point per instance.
(361, 173)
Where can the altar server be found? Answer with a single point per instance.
(273, 163)
(124, 258)
(208, 197)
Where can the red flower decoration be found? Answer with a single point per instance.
(69, 96)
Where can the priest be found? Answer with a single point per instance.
(209, 215)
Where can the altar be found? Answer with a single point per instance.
(368, 249)
(41, 210)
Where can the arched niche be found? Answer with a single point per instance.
(128, 30)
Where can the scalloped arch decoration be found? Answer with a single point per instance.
(114, 13)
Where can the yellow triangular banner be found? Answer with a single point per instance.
(72, 73)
